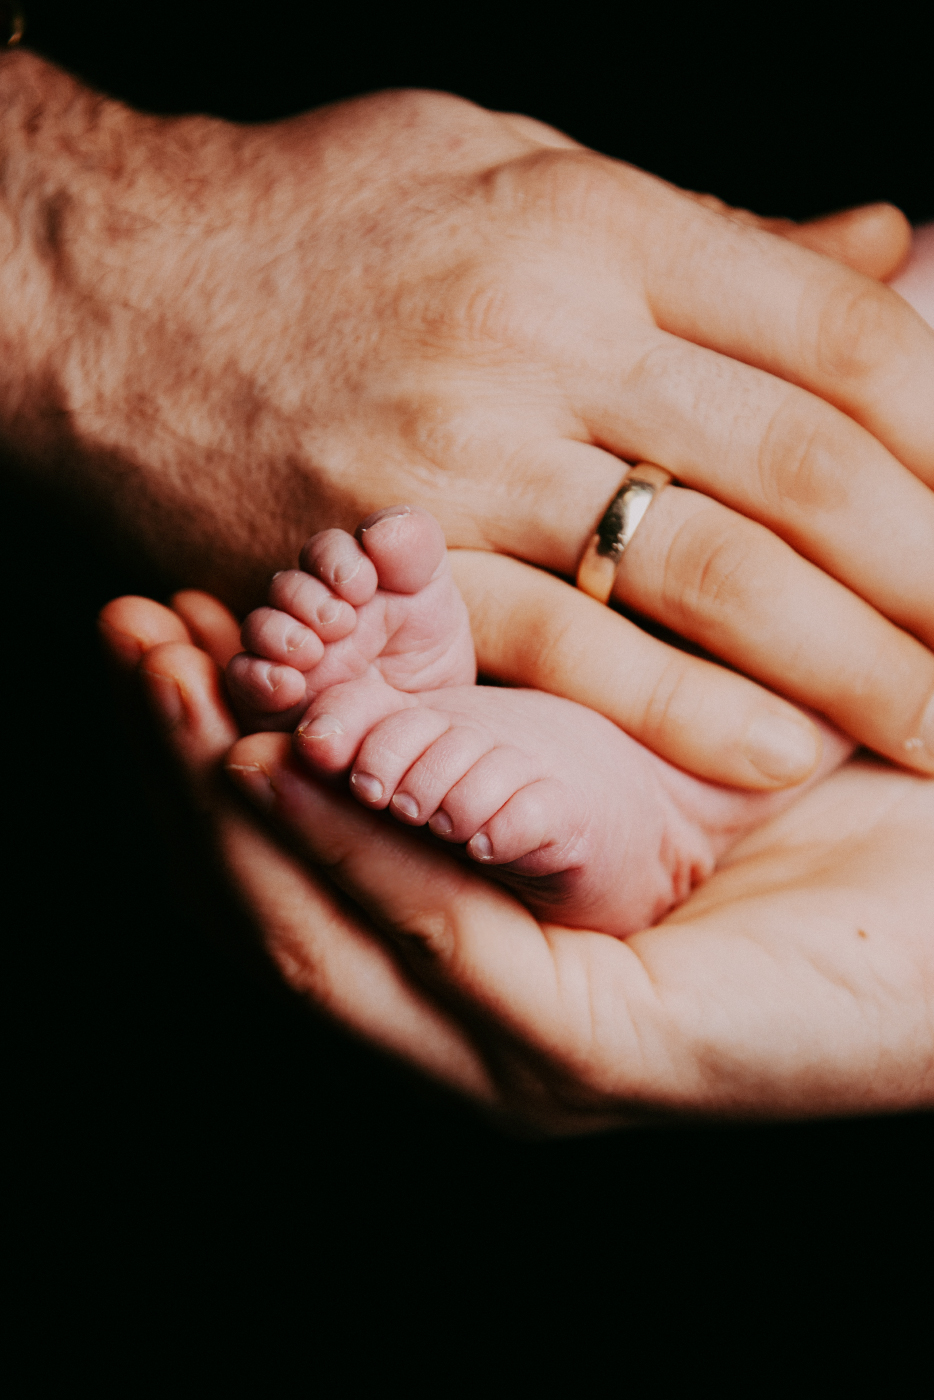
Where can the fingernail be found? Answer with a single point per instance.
(255, 782)
(322, 727)
(480, 846)
(296, 637)
(368, 787)
(441, 823)
(785, 750)
(405, 804)
(166, 698)
(388, 513)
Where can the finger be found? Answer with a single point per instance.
(324, 950)
(566, 1006)
(915, 282)
(329, 953)
(734, 588)
(131, 626)
(211, 626)
(780, 456)
(805, 318)
(185, 690)
(873, 239)
(531, 629)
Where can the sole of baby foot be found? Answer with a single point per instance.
(378, 608)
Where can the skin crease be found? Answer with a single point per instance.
(219, 338)
(820, 922)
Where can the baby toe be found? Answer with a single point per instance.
(387, 754)
(437, 769)
(336, 559)
(262, 686)
(277, 636)
(486, 786)
(311, 602)
(537, 826)
(407, 546)
(339, 720)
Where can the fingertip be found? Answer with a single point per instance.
(874, 239)
(784, 748)
(211, 625)
(130, 626)
(184, 689)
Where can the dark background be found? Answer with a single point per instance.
(192, 1149)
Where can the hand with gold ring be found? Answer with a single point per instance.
(470, 311)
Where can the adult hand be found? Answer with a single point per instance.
(799, 980)
(232, 336)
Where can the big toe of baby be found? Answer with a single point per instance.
(407, 546)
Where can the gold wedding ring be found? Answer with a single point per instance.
(618, 524)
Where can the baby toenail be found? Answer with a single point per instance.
(320, 728)
(441, 823)
(388, 513)
(480, 846)
(368, 787)
(342, 574)
(330, 611)
(406, 805)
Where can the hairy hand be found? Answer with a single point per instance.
(228, 337)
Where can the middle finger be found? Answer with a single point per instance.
(739, 591)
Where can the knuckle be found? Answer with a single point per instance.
(800, 462)
(852, 328)
(712, 569)
(559, 185)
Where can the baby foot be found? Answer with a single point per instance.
(371, 644)
(378, 612)
(587, 826)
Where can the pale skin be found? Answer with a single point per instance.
(368, 645)
(222, 338)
